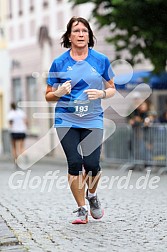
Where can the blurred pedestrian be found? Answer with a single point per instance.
(142, 110)
(18, 127)
(136, 120)
(150, 132)
(152, 118)
(137, 117)
(78, 80)
(163, 117)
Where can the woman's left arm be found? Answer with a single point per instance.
(109, 89)
(108, 92)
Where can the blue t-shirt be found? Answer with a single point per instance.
(74, 109)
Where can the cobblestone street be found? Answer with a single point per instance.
(39, 214)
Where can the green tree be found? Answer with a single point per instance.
(138, 26)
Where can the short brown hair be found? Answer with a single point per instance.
(65, 38)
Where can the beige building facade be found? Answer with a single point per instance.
(30, 26)
(30, 42)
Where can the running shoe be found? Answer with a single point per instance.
(95, 207)
(82, 216)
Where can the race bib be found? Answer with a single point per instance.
(80, 107)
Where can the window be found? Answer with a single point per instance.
(10, 8)
(11, 33)
(31, 5)
(21, 31)
(46, 21)
(31, 96)
(20, 7)
(1, 111)
(45, 4)
(32, 28)
(60, 20)
(31, 88)
(16, 88)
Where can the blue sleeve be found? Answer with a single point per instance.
(108, 72)
(52, 79)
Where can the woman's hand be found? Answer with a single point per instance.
(54, 95)
(65, 88)
(94, 94)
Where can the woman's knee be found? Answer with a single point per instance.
(75, 167)
(92, 168)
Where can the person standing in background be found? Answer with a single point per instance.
(18, 127)
(163, 113)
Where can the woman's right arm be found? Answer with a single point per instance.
(54, 94)
(50, 94)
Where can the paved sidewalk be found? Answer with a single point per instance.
(39, 214)
(8, 241)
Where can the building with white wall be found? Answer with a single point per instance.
(4, 69)
(29, 58)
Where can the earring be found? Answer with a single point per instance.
(70, 40)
